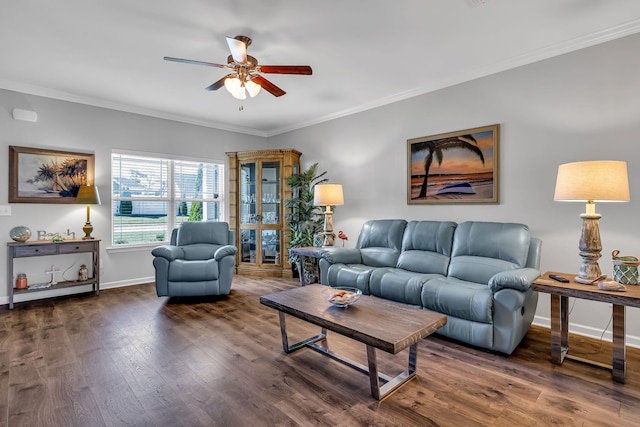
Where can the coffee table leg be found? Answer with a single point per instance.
(374, 379)
(293, 347)
(283, 332)
(380, 392)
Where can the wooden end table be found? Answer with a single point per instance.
(378, 323)
(560, 293)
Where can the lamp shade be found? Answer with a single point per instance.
(328, 195)
(595, 181)
(88, 195)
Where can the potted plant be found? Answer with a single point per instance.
(305, 219)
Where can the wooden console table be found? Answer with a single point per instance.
(44, 248)
(560, 293)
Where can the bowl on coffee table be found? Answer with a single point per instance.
(341, 296)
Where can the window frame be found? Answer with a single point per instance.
(172, 197)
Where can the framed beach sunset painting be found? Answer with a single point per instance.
(455, 167)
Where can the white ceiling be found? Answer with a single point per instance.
(364, 53)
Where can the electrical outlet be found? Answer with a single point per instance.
(5, 210)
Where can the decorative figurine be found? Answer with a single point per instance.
(342, 236)
(20, 233)
(83, 273)
(53, 272)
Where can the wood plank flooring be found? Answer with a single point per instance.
(129, 358)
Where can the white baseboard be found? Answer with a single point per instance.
(130, 282)
(588, 331)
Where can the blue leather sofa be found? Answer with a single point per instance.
(200, 260)
(477, 273)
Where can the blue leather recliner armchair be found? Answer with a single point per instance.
(200, 260)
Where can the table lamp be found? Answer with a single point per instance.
(602, 181)
(328, 195)
(88, 194)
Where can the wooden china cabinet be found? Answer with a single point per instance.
(257, 191)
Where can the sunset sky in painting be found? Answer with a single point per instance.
(458, 161)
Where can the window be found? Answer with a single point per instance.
(152, 195)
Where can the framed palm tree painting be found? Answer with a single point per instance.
(47, 176)
(455, 167)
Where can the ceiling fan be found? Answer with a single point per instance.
(245, 76)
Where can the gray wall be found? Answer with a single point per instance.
(69, 126)
(580, 106)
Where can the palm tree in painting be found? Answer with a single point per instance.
(47, 174)
(73, 173)
(435, 149)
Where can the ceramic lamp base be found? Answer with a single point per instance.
(88, 229)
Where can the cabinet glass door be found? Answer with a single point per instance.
(248, 208)
(249, 246)
(270, 192)
(271, 247)
(260, 212)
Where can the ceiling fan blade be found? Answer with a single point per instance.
(238, 50)
(286, 69)
(217, 85)
(191, 61)
(268, 86)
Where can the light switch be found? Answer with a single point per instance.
(5, 210)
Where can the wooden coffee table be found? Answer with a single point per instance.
(378, 323)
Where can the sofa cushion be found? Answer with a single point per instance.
(186, 271)
(199, 251)
(398, 285)
(482, 249)
(380, 242)
(203, 232)
(426, 246)
(349, 275)
(458, 298)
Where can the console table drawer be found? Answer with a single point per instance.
(25, 251)
(76, 247)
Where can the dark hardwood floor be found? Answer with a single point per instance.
(130, 358)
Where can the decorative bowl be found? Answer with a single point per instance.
(341, 297)
(20, 233)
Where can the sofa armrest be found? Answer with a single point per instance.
(519, 279)
(335, 255)
(168, 252)
(225, 251)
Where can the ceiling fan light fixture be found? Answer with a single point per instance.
(235, 87)
(252, 87)
(232, 84)
(240, 94)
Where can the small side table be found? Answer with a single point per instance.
(302, 252)
(560, 293)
